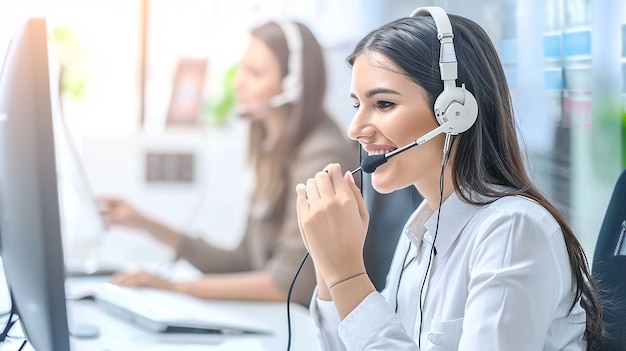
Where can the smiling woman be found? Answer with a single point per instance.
(486, 261)
(392, 111)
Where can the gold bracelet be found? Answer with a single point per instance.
(346, 279)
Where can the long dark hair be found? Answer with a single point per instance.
(305, 114)
(487, 161)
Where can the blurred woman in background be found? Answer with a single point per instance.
(280, 86)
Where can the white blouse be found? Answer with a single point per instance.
(500, 280)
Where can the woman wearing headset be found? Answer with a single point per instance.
(280, 88)
(485, 262)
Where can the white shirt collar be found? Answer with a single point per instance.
(455, 215)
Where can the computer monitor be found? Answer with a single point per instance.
(32, 252)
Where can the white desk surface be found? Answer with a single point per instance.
(116, 335)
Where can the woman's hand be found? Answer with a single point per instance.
(117, 211)
(333, 223)
(142, 279)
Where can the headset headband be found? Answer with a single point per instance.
(447, 57)
(292, 82)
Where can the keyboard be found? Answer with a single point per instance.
(173, 313)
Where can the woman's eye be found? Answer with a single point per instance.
(384, 104)
(356, 106)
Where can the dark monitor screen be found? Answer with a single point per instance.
(30, 231)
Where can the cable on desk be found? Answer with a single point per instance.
(10, 321)
(22, 346)
(289, 300)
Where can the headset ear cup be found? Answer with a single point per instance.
(457, 117)
(471, 110)
(442, 106)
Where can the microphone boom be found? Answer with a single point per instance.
(370, 163)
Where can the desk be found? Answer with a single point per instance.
(116, 335)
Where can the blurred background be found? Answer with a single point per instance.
(146, 89)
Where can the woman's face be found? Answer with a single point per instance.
(393, 111)
(258, 80)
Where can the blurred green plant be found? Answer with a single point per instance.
(220, 109)
(72, 59)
